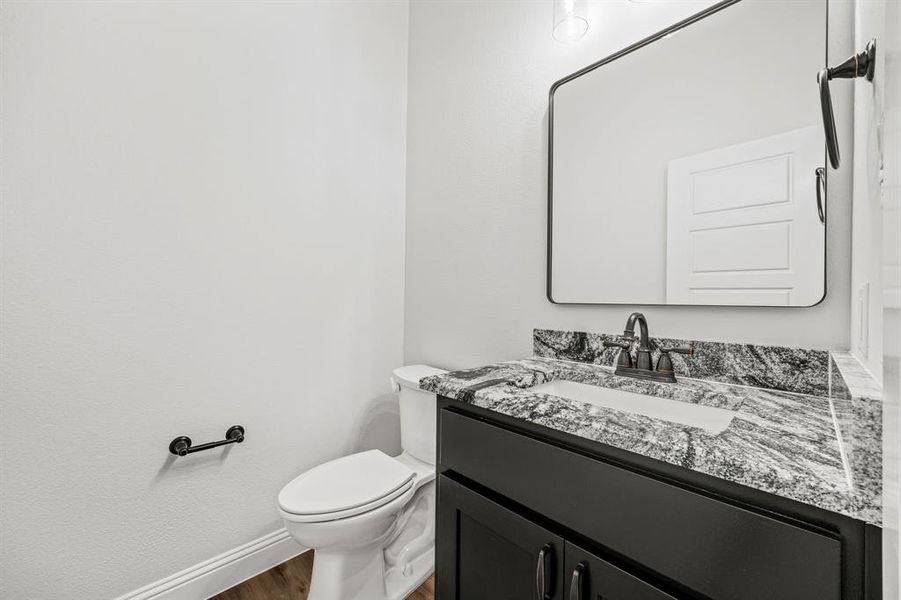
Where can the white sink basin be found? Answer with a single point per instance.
(711, 419)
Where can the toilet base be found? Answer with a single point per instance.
(361, 575)
(400, 585)
(344, 575)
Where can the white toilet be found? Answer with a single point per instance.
(370, 517)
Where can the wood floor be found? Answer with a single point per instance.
(291, 581)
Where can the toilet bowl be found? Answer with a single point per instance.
(370, 517)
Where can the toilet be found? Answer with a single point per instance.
(370, 517)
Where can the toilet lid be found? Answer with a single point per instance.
(349, 485)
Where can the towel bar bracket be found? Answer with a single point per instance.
(862, 64)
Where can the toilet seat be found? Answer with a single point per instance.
(345, 487)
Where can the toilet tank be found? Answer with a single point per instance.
(417, 411)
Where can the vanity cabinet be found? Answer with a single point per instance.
(498, 554)
(502, 555)
(523, 508)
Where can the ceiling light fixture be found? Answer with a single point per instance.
(570, 20)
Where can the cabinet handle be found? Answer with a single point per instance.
(575, 585)
(541, 572)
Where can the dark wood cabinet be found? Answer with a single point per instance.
(498, 554)
(590, 577)
(492, 553)
(615, 531)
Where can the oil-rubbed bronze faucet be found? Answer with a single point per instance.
(643, 367)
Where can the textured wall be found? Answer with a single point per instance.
(866, 218)
(883, 18)
(479, 76)
(202, 225)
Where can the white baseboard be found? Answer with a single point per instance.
(221, 572)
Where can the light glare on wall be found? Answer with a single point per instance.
(570, 20)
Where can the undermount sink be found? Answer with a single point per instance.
(709, 418)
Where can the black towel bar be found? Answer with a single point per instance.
(181, 446)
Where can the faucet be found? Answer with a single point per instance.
(643, 367)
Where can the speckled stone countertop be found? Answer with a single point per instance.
(822, 450)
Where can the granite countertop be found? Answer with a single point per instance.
(822, 449)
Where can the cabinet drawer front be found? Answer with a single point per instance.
(590, 576)
(713, 547)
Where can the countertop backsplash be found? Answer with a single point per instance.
(797, 370)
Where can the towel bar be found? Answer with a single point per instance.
(181, 446)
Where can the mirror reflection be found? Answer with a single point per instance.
(712, 136)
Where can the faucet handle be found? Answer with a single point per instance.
(665, 363)
(625, 357)
(688, 350)
(623, 345)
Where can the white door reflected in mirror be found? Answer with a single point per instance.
(735, 232)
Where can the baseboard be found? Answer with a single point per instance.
(221, 572)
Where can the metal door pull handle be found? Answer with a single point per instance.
(575, 584)
(821, 193)
(541, 572)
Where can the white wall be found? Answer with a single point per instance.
(877, 248)
(476, 186)
(866, 218)
(202, 225)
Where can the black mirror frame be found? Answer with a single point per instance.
(550, 160)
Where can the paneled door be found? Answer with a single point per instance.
(743, 225)
(486, 552)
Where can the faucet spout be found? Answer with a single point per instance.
(629, 333)
(644, 347)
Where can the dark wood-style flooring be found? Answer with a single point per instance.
(291, 581)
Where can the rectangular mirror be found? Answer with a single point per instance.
(686, 169)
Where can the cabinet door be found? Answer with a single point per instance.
(487, 552)
(589, 577)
